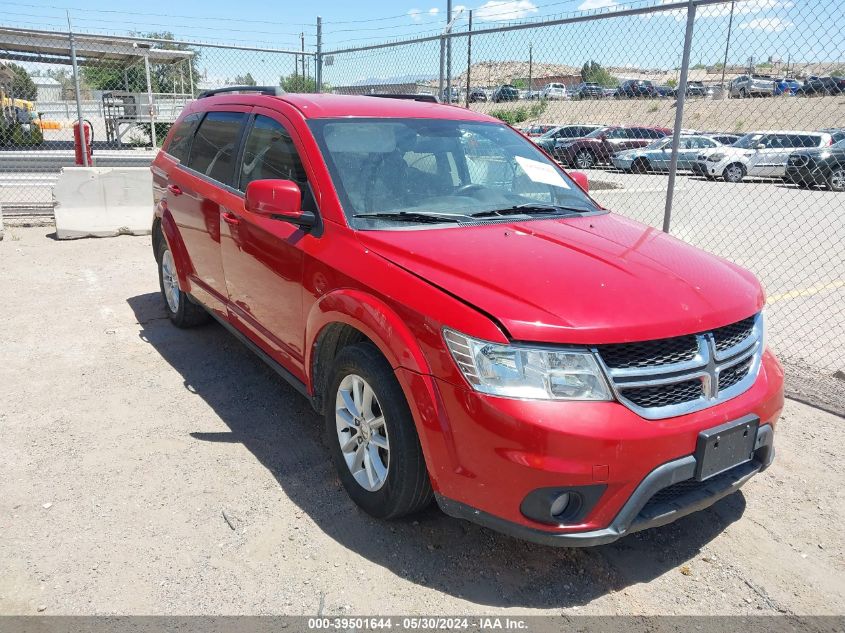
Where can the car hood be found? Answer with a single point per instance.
(586, 280)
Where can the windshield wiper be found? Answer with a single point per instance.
(531, 208)
(412, 216)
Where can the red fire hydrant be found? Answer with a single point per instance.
(82, 142)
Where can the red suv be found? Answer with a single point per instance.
(601, 144)
(471, 325)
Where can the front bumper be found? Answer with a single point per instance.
(623, 162)
(486, 454)
(707, 168)
(643, 509)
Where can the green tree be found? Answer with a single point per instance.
(298, 83)
(593, 72)
(672, 83)
(245, 80)
(22, 85)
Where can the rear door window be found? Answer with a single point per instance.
(215, 145)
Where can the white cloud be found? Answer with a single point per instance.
(745, 7)
(589, 5)
(415, 15)
(773, 25)
(496, 10)
(433, 11)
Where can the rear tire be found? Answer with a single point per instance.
(180, 308)
(374, 446)
(836, 179)
(734, 172)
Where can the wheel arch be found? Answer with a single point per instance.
(345, 317)
(165, 226)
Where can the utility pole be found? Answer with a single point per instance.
(302, 45)
(728, 42)
(530, 68)
(469, 57)
(318, 69)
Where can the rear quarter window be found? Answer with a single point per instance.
(179, 145)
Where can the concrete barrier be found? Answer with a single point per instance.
(103, 202)
(1, 222)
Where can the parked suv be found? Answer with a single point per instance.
(824, 167)
(562, 134)
(505, 93)
(601, 144)
(759, 154)
(751, 86)
(553, 91)
(636, 88)
(588, 90)
(398, 263)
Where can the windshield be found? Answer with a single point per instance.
(748, 141)
(659, 143)
(448, 169)
(551, 133)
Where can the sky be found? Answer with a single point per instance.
(802, 30)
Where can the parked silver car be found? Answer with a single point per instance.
(751, 86)
(657, 155)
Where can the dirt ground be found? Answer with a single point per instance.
(724, 115)
(148, 470)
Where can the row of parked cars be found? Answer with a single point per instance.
(750, 85)
(800, 157)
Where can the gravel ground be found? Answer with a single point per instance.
(149, 470)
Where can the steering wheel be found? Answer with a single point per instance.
(465, 189)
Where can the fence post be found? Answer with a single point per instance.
(150, 99)
(442, 66)
(469, 56)
(318, 61)
(76, 89)
(679, 116)
(449, 53)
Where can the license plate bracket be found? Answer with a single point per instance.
(725, 446)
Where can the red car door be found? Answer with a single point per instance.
(199, 192)
(262, 257)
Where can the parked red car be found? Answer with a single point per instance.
(471, 325)
(601, 144)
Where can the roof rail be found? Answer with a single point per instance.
(410, 97)
(273, 91)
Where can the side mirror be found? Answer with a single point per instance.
(278, 199)
(580, 179)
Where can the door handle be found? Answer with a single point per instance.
(230, 218)
(176, 190)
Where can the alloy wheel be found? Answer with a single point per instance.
(584, 160)
(362, 433)
(837, 179)
(169, 281)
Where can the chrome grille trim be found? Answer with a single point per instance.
(706, 367)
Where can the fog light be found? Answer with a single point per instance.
(559, 505)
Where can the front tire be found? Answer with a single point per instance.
(372, 436)
(585, 159)
(181, 310)
(640, 166)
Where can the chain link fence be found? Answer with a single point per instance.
(689, 116)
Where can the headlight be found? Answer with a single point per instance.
(824, 155)
(527, 372)
(715, 158)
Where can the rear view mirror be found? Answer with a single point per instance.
(277, 199)
(580, 179)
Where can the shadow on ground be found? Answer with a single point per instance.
(264, 414)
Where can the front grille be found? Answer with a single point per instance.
(665, 395)
(649, 353)
(734, 334)
(732, 375)
(674, 376)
